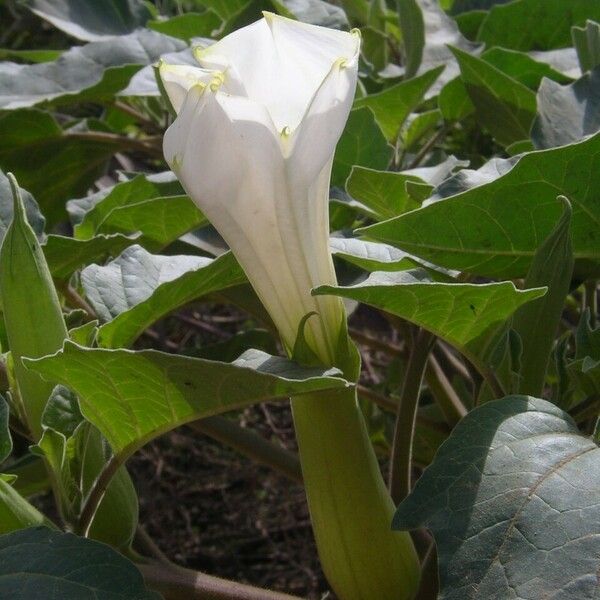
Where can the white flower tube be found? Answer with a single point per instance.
(253, 143)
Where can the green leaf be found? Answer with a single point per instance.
(465, 179)
(461, 6)
(495, 229)
(372, 256)
(585, 373)
(17, 513)
(188, 26)
(417, 126)
(587, 44)
(227, 10)
(89, 21)
(568, 113)
(523, 68)
(62, 412)
(40, 563)
(357, 10)
(362, 143)
(160, 220)
(89, 213)
(34, 56)
(499, 499)
(6, 444)
(132, 397)
(94, 72)
(31, 474)
(65, 255)
(454, 101)
(139, 288)
(503, 105)
(52, 164)
(382, 192)
(537, 322)
(542, 24)
(392, 106)
(465, 315)
(413, 34)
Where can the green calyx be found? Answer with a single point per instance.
(32, 315)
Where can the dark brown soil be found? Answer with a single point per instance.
(210, 509)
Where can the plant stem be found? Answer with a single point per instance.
(147, 146)
(384, 402)
(446, 397)
(251, 444)
(96, 494)
(591, 301)
(75, 300)
(404, 431)
(184, 584)
(429, 588)
(350, 507)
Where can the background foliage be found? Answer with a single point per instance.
(465, 212)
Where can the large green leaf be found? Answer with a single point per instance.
(65, 255)
(132, 397)
(542, 24)
(159, 220)
(503, 105)
(392, 106)
(512, 501)
(495, 229)
(89, 21)
(568, 113)
(89, 213)
(41, 564)
(372, 256)
(139, 288)
(382, 192)
(52, 164)
(94, 72)
(465, 179)
(523, 67)
(362, 143)
(465, 315)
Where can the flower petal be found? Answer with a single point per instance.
(287, 63)
(226, 153)
(178, 79)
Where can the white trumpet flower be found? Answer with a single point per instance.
(253, 146)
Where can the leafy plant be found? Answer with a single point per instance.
(445, 326)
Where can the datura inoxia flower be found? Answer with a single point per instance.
(253, 143)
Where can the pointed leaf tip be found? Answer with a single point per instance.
(18, 206)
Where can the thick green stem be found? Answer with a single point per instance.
(350, 507)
